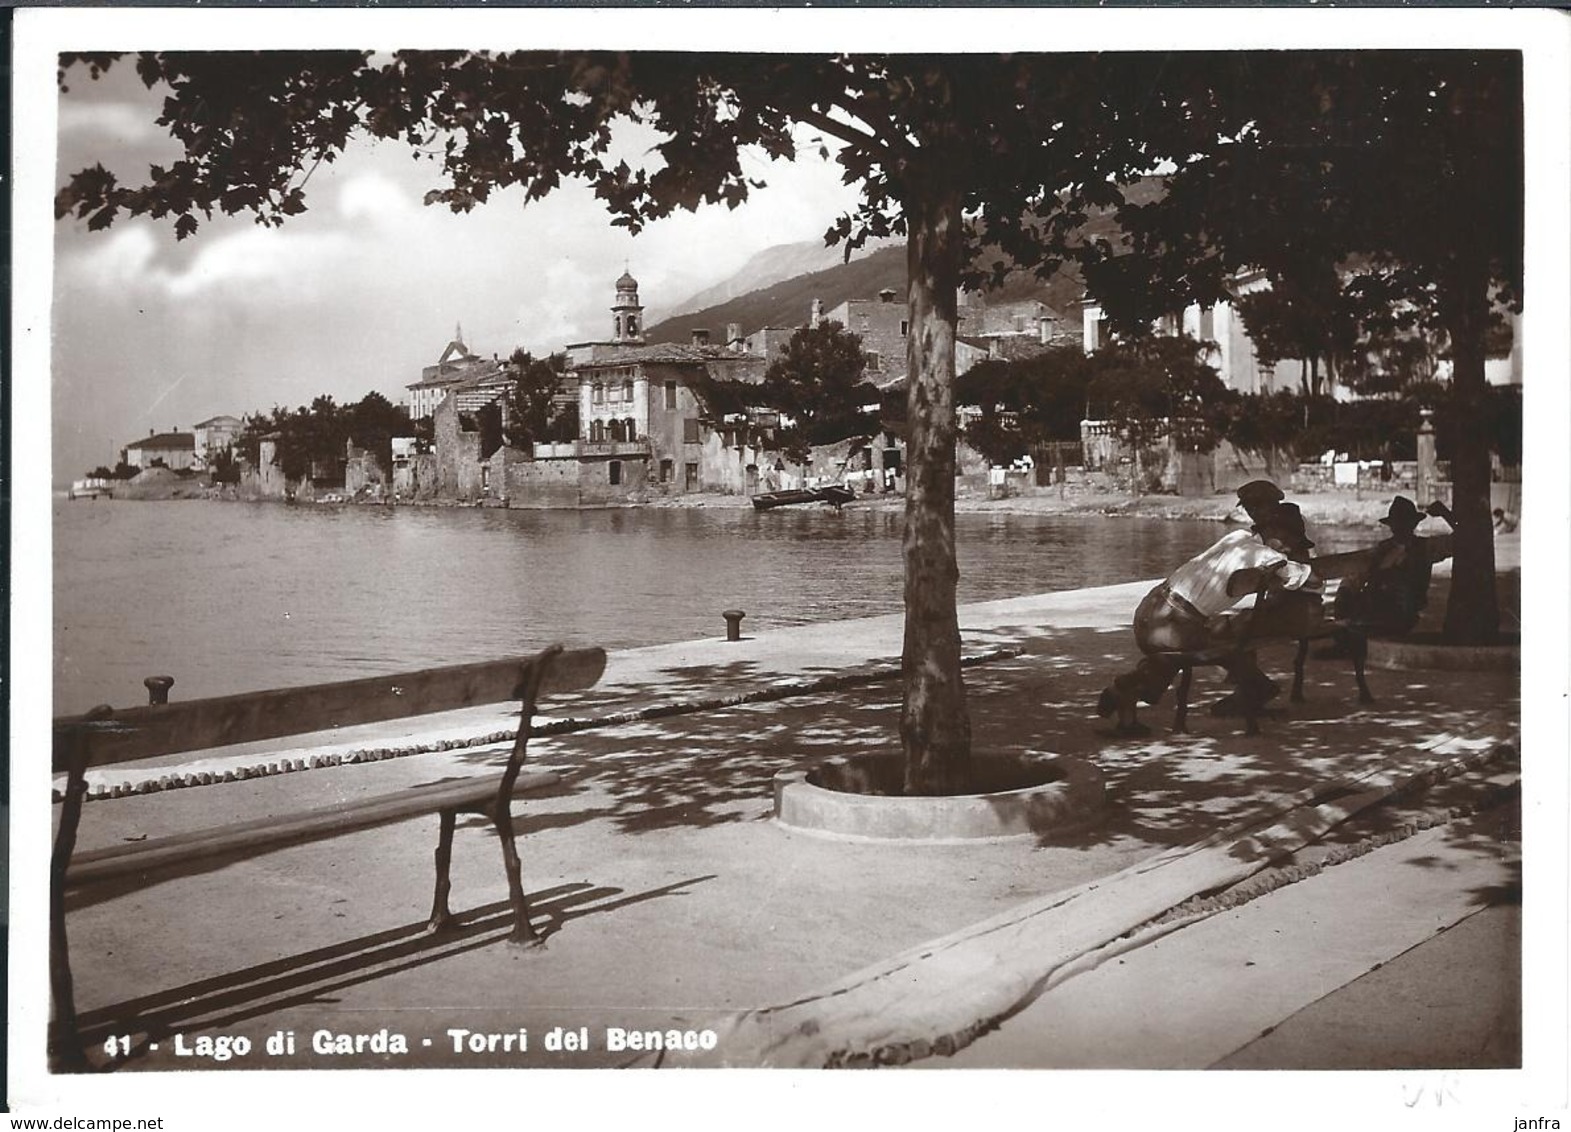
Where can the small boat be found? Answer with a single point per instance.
(834, 494)
(88, 489)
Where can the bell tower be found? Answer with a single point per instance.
(627, 314)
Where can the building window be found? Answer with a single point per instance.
(690, 430)
(690, 475)
(874, 360)
(630, 429)
(599, 394)
(667, 470)
(1208, 324)
(627, 391)
(614, 472)
(905, 327)
(670, 395)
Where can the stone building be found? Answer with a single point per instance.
(174, 450)
(641, 413)
(470, 423)
(456, 366)
(212, 437)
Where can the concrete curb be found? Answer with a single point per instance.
(1070, 801)
(1450, 658)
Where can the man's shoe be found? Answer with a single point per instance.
(1229, 706)
(1236, 704)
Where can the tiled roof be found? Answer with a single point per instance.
(166, 440)
(473, 400)
(660, 353)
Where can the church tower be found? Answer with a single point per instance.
(627, 314)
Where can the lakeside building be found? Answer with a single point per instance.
(456, 365)
(174, 450)
(212, 437)
(1233, 355)
(643, 423)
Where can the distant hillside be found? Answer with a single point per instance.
(789, 302)
(768, 267)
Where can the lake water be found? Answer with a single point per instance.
(230, 597)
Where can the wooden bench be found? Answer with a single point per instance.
(104, 737)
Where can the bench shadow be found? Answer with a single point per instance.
(313, 976)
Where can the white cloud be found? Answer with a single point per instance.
(119, 259)
(119, 121)
(261, 263)
(377, 198)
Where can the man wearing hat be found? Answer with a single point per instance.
(1257, 496)
(1391, 594)
(1200, 612)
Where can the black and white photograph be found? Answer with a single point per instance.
(744, 539)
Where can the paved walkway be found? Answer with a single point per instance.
(672, 901)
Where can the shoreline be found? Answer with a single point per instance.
(1323, 507)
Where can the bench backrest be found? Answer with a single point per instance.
(221, 721)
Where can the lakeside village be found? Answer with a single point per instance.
(627, 421)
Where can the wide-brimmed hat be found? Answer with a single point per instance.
(1287, 520)
(1403, 513)
(1259, 493)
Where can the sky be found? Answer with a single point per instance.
(359, 292)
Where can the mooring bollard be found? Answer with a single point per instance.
(158, 688)
(733, 624)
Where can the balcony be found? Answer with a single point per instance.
(588, 449)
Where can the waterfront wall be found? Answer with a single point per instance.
(458, 474)
(550, 481)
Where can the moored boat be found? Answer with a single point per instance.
(834, 494)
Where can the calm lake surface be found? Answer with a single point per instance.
(231, 597)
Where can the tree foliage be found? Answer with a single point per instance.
(817, 384)
(1025, 402)
(533, 415)
(1399, 173)
(317, 437)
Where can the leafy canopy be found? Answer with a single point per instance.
(1031, 141)
(817, 383)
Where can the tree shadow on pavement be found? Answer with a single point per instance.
(715, 766)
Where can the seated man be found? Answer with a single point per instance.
(1200, 615)
(1390, 595)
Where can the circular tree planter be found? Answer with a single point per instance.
(1428, 650)
(859, 797)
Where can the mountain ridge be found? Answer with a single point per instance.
(788, 301)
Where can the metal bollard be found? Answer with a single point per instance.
(733, 624)
(158, 688)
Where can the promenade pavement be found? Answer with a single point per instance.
(671, 900)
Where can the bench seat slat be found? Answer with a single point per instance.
(222, 721)
(265, 834)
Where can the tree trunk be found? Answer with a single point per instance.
(1472, 613)
(935, 728)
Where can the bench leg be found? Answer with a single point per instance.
(524, 934)
(1358, 645)
(65, 1047)
(440, 916)
(1181, 701)
(65, 1050)
(1298, 670)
